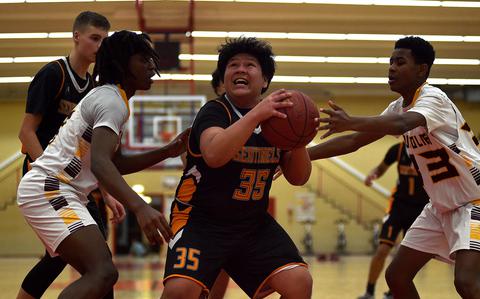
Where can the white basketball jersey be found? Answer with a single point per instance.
(445, 150)
(67, 157)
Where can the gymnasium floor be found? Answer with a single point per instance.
(140, 278)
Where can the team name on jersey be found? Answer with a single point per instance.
(417, 141)
(257, 155)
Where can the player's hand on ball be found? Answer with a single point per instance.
(153, 224)
(337, 121)
(269, 106)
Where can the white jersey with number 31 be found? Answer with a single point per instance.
(445, 151)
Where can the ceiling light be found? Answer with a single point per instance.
(287, 79)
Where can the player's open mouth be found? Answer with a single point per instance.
(240, 81)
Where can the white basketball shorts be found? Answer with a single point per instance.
(53, 209)
(443, 234)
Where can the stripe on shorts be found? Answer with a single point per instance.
(75, 226)
(51, 184)
(73, 168)
(58, 202)
(475, 228)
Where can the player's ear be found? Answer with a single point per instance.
(76, 36)
(265, 82)
(423, 70)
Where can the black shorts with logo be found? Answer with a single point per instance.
(400, 218)
(200, 250)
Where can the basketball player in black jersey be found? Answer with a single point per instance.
(52, 95)
(408, 200)
(219, 217)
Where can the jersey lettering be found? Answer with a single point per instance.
(252, 184)
(440, 167)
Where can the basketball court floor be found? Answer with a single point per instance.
(140, 278)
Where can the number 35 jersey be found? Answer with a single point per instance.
(445, 151)
(235, 194)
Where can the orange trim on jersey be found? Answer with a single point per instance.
(195, 155)
(186, 190)
(386, 241)
(467, 160)
(190, 151)
(276, 271)
(475, 202)
(179, 218)
(124, 97)
(205, 290)
(226, 109)
(390, 201)
(417, 94)
(63, 78)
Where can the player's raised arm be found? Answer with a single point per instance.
(338, 120)
(219, 145)
(342, 145)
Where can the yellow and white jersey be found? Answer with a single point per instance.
(445, 151)
(67, 157)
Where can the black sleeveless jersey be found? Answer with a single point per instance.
(236, 193)
(55, 90)
(409, 186)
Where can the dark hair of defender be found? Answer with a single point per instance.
(259, 49)
(114, 54)
(86, 18)
(215, 81)
(422, 51)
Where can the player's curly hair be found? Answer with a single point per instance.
(113, 56)
(422, 50)
(259, 49)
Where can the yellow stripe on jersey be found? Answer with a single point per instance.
(82, 149)
(417, 94)
(62, 178)
(467, 160)
(124, 97)
(475, 202)
(68, 216)
(475, 230)
(51, 194)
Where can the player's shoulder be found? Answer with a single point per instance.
(105, 90)
(429, 91)
(107, 94)
(395, 106)
(53, 69)
(217, 104)
(54, 66)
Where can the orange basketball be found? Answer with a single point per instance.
(298, 129)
